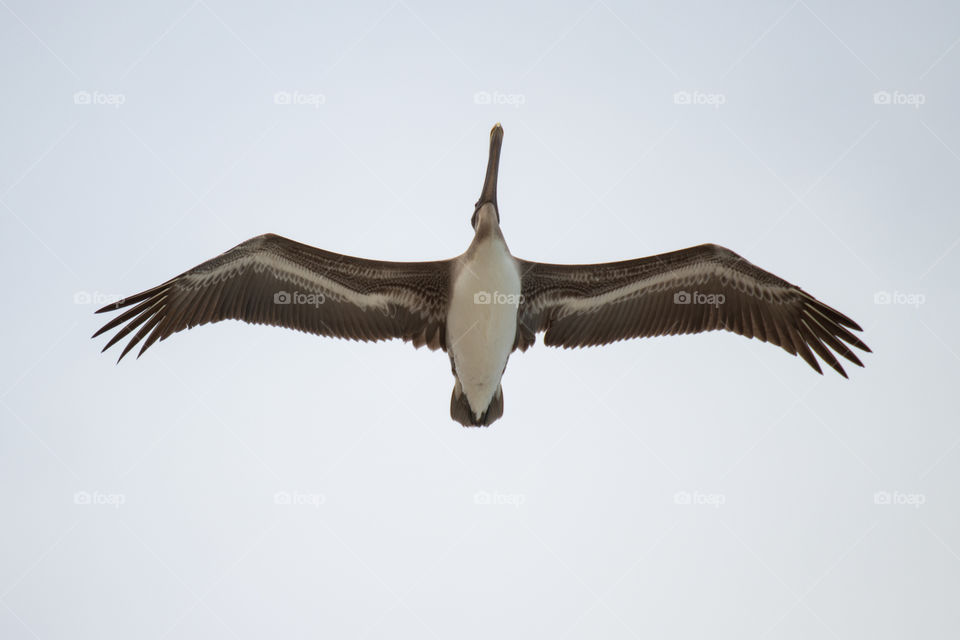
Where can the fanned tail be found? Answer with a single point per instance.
(461, 412)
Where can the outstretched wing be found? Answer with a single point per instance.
(702, 288)
(272, 280)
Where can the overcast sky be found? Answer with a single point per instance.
(249, 482)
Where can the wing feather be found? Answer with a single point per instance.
(703, 288)
(275, 281)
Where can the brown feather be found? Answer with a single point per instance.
(756, 304)
(383, 300)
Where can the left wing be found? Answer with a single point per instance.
(272, 280)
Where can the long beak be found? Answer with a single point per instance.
(489, 193)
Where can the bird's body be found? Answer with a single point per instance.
(482, 322)
(484, 304)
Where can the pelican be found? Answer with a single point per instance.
(485, 304)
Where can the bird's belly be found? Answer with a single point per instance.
(482, 322)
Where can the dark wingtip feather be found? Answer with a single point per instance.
(125, 302)
(101, 330)
(135, 298)
(852, 357)
(127, 349)
(832, 313)
(836, 366)
(810, 359)
(846, 321)
(854, 340)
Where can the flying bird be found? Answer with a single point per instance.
(485, 304)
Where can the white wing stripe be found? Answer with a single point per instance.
(293, 273)
(685, 276)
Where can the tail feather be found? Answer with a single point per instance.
(461, 412)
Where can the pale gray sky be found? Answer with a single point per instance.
(244, 481)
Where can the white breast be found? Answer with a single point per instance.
(482, 322)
